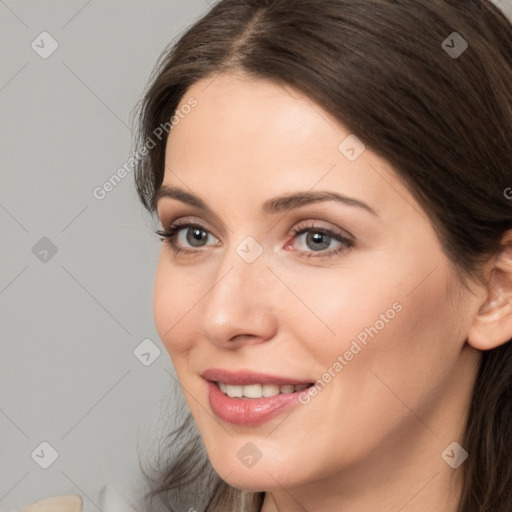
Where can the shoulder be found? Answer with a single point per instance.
(63, 503)
(111, 498)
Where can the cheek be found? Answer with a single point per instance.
(382, 321)
(173, 300)
(407, 359)
(338, 306)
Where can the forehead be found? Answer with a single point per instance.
(255, 111)
(261, 139)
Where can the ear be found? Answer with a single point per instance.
(492, 325)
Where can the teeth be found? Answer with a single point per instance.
(270, 390)
(252, 391)
(287, 388)
(258, 390)
(234, 391)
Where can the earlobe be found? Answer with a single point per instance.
(492, 324)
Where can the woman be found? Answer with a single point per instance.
(335, 280)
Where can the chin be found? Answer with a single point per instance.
(261, 476)
(254, 481)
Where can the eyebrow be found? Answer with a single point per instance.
(275, 205)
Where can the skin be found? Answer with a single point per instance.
(372, 438)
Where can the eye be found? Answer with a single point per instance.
(181, 235)
(196, 236)
(314, 241)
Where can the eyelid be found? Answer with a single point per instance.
(185, 220)
(311, 224)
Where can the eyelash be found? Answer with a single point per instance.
(168, 236)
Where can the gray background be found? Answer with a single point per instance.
(69, 325)
(71, 321)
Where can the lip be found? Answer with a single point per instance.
(246, 377)
(248, 411)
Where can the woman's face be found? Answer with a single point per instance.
(345, 286)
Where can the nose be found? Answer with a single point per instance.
(238, 308)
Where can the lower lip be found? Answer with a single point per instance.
(249, 411)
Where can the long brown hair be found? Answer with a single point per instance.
(443, 120)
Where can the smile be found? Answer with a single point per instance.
(250, 398)
(259, 390)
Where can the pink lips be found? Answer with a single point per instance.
(248, 411)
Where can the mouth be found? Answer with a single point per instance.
(252, 391)
(248, 398)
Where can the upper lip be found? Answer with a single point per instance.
(246, 377)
